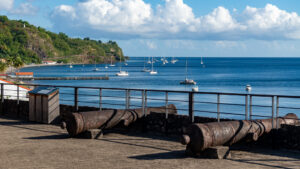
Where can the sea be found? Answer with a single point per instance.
(278, 76)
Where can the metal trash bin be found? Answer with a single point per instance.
(44, 104)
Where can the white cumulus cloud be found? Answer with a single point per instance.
(6, 4)
(125, 19)
(25, 9)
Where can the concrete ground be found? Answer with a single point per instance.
(28, 146)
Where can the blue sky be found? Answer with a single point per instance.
(214, 28)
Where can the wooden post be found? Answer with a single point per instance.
(191, 107)
(76, 98)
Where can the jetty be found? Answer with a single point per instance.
(64, 78)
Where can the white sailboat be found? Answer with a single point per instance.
(70, 66)
(111, 63)
(145, 69)
(96, 69)
(149, 62)
(122, 73)
(186, 80)
(153, 72)
(173, 61)
(201, 61)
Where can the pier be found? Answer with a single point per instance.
(64, 78)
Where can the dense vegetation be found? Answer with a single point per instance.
(22, 43)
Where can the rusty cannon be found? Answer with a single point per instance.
(77, 123)
(200, 136)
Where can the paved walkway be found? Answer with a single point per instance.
(26, 145)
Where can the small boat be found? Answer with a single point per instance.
(153, 72)
(145, 69)
(186, 80)
(173, 61)
(106, 67)
(122, 73)
(202, 61)
(71, 66)
(248, 88)
(96, 69)
(195, 89)
(149, 62)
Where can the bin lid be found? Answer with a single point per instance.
(43, 90)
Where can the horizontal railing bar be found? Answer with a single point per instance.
(256, 115)
(155, 90)
(296, 108)
(256, 105)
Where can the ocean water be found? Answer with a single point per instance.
(280, 76)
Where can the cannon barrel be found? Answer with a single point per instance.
(200, 136)
(77, 123)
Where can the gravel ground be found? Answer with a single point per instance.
(28, 145)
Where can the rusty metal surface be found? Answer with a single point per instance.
(77, 123)
(201, 136)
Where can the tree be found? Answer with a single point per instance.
(17, 62)
(3, 67)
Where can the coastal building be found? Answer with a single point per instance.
(49, 62)
(21, 75)
(11, 91)
(24, 74)
(3, 76)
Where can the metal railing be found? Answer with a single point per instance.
(206, 104)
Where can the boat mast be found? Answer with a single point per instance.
(152, 63)
(185, 68)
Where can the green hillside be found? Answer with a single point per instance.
(22, 43)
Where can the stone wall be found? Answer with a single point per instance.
(286, 137)
(10, 108)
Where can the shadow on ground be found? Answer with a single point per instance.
(165, 155)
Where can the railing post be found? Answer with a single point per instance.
(277, 112)
(18, 100)
(143, 102)
(273, 107)
(127, 97)
(18, 94)
(100, 99)
(2, 93)
(2, 98)
(76, 98)
(250, 107)
(191, 107)
(218, 107)
(166, 105)
(246, 107)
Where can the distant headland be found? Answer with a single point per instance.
(22, 43)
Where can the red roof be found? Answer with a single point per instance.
(24, 73)
(13, 83)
